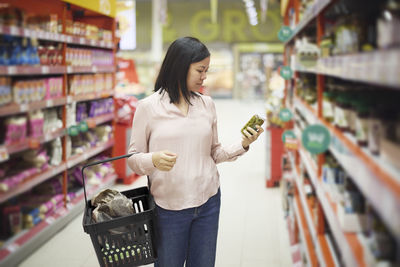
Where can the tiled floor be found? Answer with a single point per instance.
(252, 232)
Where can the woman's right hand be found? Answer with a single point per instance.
(164, 160)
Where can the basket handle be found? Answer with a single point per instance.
(100, 162)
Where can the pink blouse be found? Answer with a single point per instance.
(160, 125)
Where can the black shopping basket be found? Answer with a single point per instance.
(124, 241)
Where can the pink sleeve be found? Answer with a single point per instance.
(141, 163)
(218, 152)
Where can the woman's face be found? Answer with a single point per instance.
(197, 74)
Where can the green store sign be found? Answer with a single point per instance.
(288, 135)
(83, 126)
(285, 114)
(316, 139)
(73, 130)
(286, 72)
(284, 33)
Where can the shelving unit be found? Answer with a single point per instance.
(23, 243)
(377, 179)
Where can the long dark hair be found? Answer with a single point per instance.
(174, 69)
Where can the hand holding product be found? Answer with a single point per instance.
(252, 130)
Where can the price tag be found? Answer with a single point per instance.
(23, 107)
(3, 154)
(82, 40)
(94, 69)
(62, 211)
(91, 123)
(27, 33)
(69, 69)
(49, 103)
(50, 220)
(69, 99)
(34, 143)
(45, 69)
(12, 247)
(69, 206)
(69, 39)
(12, 70)
(14, 30)
(93, 42)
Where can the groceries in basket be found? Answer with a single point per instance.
(111, 204)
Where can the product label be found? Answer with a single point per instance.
(316, 139)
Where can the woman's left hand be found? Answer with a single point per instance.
(251, 136)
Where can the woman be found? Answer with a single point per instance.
(175, 131)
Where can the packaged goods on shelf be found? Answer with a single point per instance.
(18, 51)
(21, 168)
(15, 129)
(93, 175)
(85, 57)
(5, 90)
(89, 83)
(388, 24)
(79, 143)
(89, 31)
(50, 54)
(307, 54)
(31, 90)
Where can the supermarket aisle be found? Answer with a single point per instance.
(252, 230)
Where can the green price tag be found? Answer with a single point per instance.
(73, 130)
(285, 115)
(284, 33)
(83, 126)
(316, 139)
(286, 73)
(288, 134)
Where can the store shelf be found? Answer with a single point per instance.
(32, 142)
(24, 243)
(48, 70)
(33, 181)
(306, 110)
(304, 232)
(381, 67)
(31, 70)
(351, 249)
(93, 122)
(49, 36)
(90, 96)
(310, 14)
(377, 179)
(76, 159)
(13, 108)
(324, 252)
(90, 69)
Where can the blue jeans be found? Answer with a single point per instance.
(188, 235)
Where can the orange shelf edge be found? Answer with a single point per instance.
(307, 234)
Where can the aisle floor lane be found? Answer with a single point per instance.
(252, 232)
